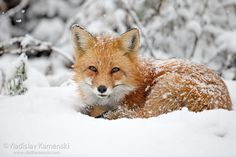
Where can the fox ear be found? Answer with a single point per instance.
(130, 40)
(82, 40)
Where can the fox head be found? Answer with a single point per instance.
(105, 68)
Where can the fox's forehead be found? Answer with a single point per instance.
(106, 48)
(106, 44)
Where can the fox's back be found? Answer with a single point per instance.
(178, 83)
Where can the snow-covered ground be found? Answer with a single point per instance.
(45, 121)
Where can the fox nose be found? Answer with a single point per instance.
(102, 89)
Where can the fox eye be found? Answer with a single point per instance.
(92, 68)
(115, 69)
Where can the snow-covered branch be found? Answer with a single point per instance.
(71, 21)
(139, 24)
(31, 47)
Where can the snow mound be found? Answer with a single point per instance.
(49, 116)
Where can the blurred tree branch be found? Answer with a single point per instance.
(17, 8)
(72, 20)
(139, 24)
(31, 47)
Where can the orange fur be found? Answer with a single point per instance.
(142, 88)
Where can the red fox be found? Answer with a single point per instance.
(114, 82)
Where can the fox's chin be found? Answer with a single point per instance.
(101, 96)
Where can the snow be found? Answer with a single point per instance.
(227, 41)
(4, 27)
(35, 77)
(229, 74)
(49, 115)
(18, 20)
(194, 27)
(49, 30)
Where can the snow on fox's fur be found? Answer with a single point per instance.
(111, 77)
